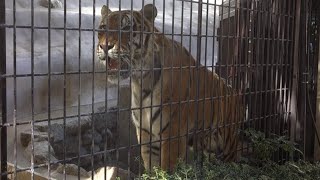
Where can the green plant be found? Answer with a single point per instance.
(210, 169)
(218, 170)
(264, 147)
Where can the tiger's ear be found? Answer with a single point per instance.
(150, 12)
(105, 10)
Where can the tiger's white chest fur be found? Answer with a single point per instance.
(146, 109)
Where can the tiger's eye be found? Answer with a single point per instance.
(102, 27)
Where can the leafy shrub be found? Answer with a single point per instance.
(263, 149)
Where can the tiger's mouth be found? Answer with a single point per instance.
(113, 64)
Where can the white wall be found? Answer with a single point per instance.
(23, 48)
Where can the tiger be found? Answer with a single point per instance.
(175, 101)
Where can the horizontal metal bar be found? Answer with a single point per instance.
(139, 70)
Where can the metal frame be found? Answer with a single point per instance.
(3, 128)
(261, 41)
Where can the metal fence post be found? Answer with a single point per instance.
(3, 129)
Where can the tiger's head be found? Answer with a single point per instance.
(117, 48)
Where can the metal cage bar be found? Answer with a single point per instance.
(3, 129)
(260, 47)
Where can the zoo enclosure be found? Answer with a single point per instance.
(267, 49)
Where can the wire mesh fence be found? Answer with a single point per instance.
(99, 89)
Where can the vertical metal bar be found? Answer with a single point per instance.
(190, 71)
(171, 84)
(239, 79)
(161, 83)
(240, 35)
(263, 63)
(79, 90)
(64, 86)
(288, 77)
(281, 64)
(151, 93)
(205, 68)
(227, 126)
(256, 63)
(306, 78)
(181, 41)
(212, 98)
(273, 39)
(198, 61)
(317, 124)
(248, 54)
(15, 88)
(267, 64)
(283, 71)
(277, 72)
(245, 38)
(32, 90)
(49, 88)
(141, 87)
(130, 86)
(270, 90)
(118, 90)
(3, 129)
(316, 74)
(296, 70)
(93, 87)
(152, 84)
(289, 51)
(106, 101)
(274, 70)
(236, 66)
(180, 76)
(220, 65)
(15, 142)
(303, 84)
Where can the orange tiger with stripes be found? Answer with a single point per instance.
(171, 96)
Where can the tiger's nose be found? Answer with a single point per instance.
(104, 47)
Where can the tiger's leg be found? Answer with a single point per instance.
(149, 151)
(223, 146)
(172, 149)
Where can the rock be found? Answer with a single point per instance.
(105, 127)
(41, 153)
(97, 158)
(88, 135)
(83, 151)
(72, 169)
(25, 137)
(52, 4)
(57, 132)
(96, 148)
(97, 137)
(112, 173)
(72, 125)
(105, 120)
(87, 138)
(71, 146)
